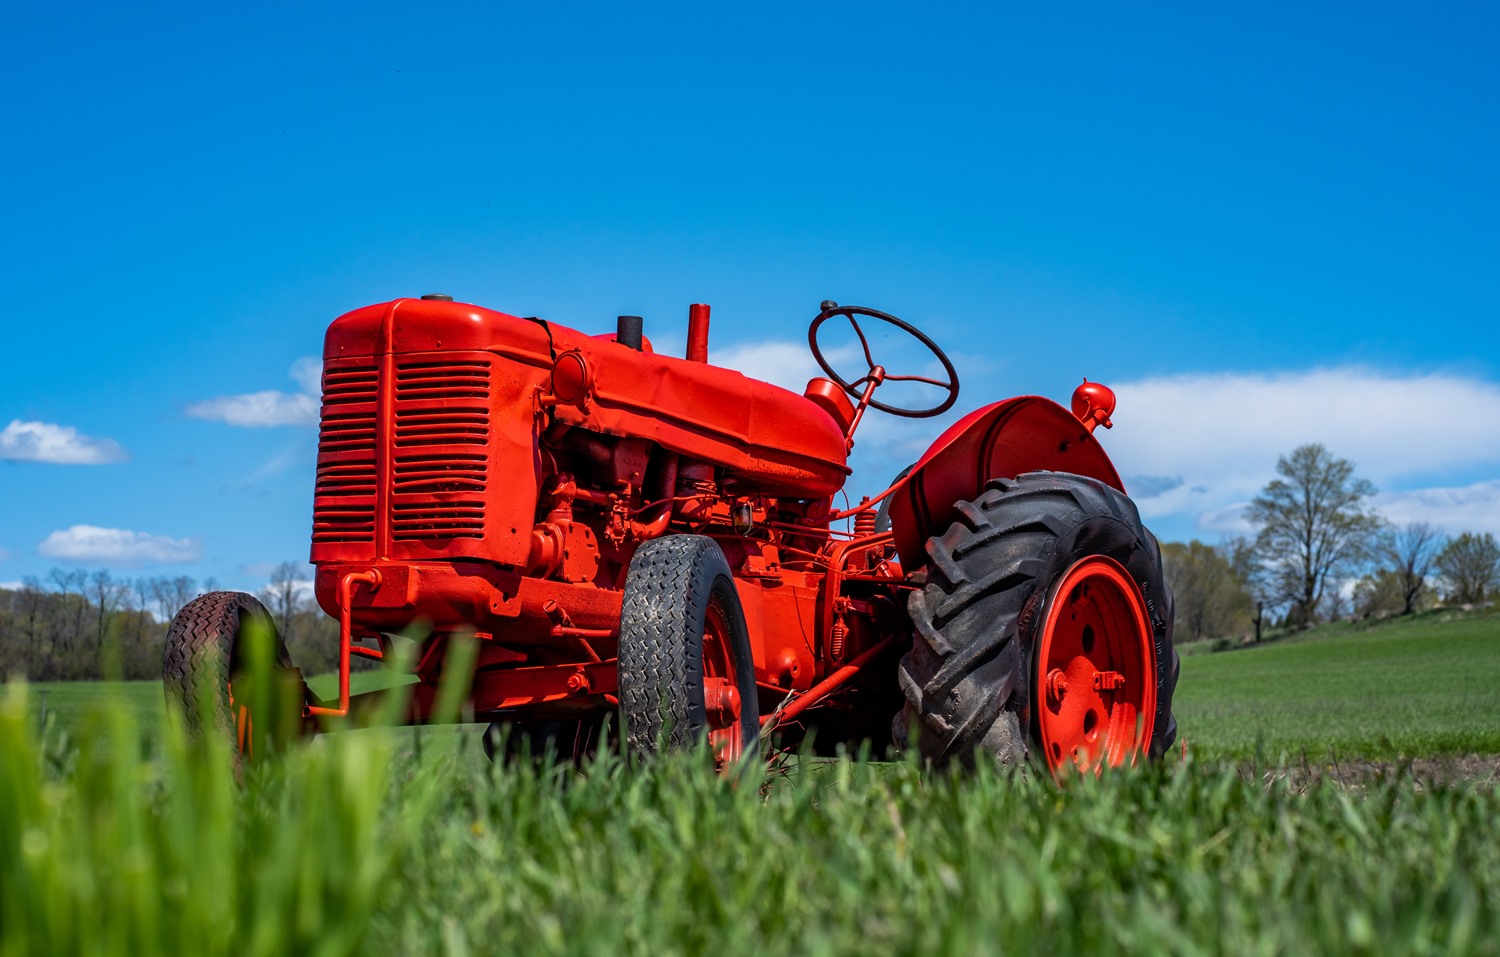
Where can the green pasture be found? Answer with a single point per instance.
(109, 846)
(1421, 687)
(117, 837)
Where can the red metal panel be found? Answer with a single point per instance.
(1003, 440)
(771, 436)
(345, 496)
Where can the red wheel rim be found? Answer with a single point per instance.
(1096, 687)
(721, 695)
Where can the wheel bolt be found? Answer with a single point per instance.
(1057, 685)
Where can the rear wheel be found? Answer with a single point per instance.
(228, 671)
(686, 670)
(1044, 624)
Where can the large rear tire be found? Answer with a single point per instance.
(1044, 627)
(686, 670)
(217, 647)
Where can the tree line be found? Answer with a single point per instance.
(78, 625)
(1320, 552)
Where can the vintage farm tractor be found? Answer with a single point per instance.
(638, 536)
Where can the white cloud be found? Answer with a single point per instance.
(1229, 520)
(1470, 508)
(1467, 508)
(1223, 433)
(89, 543)
(787, 364)
(258, 409)
(269, 408)
(57, 444)
(307, 372)
(12, 586)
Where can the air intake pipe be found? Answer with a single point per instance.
(697, 344)
(628, 331)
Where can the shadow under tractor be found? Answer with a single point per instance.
(635, 537)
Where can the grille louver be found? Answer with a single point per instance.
(441, 429)
(344, 498)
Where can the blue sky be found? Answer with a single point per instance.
(1264, 225)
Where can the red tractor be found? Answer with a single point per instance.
(638, 536)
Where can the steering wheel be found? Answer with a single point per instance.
(829, 309)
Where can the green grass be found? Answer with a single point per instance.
(118, 838)
(1425, 686)
(67, 702)
(342, 848)
(1398, 689)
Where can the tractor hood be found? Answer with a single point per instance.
(769, 437)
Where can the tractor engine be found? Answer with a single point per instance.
(482, 471)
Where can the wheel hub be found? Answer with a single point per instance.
(721, 697)
(1096, 661)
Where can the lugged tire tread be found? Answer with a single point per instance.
(199, 654)
(965, 677)
(660, 665)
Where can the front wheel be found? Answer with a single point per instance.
(686, 670)
(228, 671)
(1044, 626)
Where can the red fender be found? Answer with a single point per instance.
(1003, 440)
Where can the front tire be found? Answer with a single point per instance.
(686, 670)
(217, 647)
(1044, 626)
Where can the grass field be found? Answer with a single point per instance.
(124, 840)
(1387, 690)
(1424, 687)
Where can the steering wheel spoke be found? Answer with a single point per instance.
(864, 343)
(858, 386)
(916, 378)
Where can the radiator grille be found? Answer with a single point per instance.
(344, 498)
(439, 473)
(442, 520)
(439, 469)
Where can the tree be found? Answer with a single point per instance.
(284, 596)
(1407, 553)
(1212, 596)
(32, 597)
(1470, 565)
(1313, 527)
(172, 593)
(106, 594)
(1379, 594)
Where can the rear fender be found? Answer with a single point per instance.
(1003, 440)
